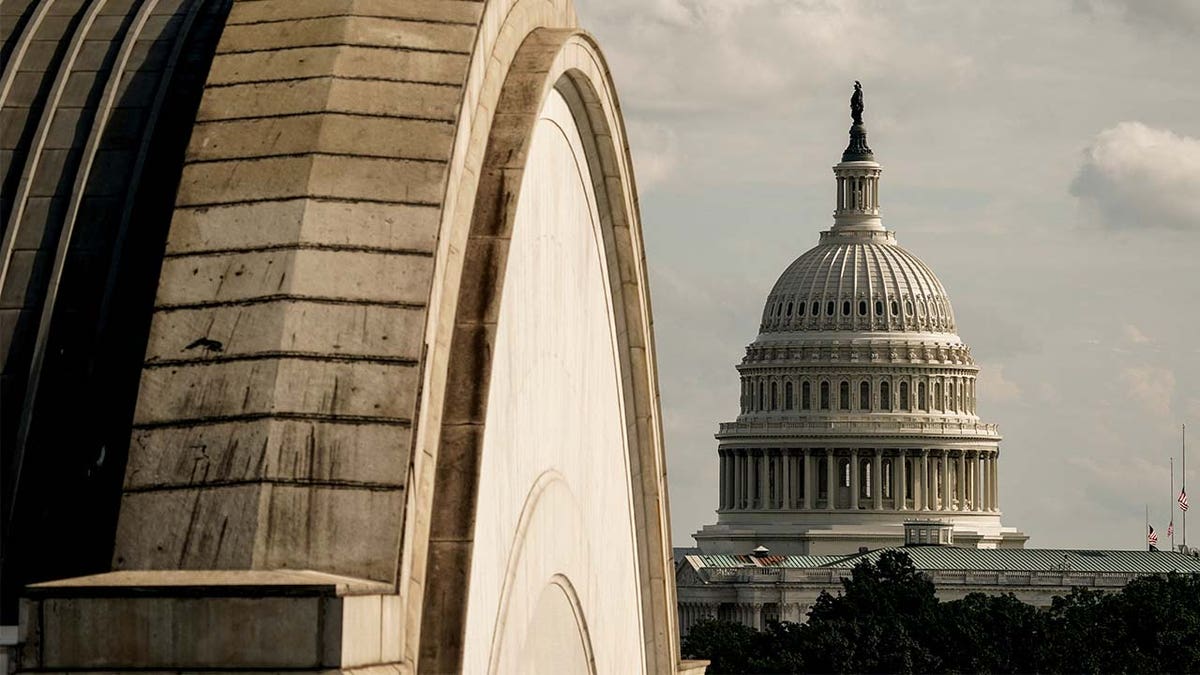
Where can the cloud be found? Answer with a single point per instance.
(994, 387)
(1135, 335)
(1134, 177)
(1181, 16)
(655, 151)
(1150, 387)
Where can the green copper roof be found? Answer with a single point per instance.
(978, 559)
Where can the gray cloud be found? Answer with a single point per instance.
(1134, 176)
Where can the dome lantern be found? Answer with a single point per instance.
(857, 178)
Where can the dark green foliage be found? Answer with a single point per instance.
(887, 620)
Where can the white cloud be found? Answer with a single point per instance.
(1134, 176)
(992, 385)
(1135, 335)
(1150, 387)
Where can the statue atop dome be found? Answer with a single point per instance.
(857, 151)
(856, 103)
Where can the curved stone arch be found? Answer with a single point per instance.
(461, 333)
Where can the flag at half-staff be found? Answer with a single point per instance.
(1152, 538)
(1183, 500)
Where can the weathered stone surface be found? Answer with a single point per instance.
(312, 175)
(456, 11)
(395, 227)
(361, 62)
(329, 133)
(362, 31)
(367, 276)
(341, 330)
(279, 450)
(277, 386)
(277, 620)
(321, 94)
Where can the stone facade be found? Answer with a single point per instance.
(306, 299)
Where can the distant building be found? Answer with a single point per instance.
(858, 433)
(754, 590)
(858, 400)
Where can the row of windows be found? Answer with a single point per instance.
(934, 308)
(954, 393)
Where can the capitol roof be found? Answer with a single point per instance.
(941, 558)
(857, 282)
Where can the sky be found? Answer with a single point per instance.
(1043, 157)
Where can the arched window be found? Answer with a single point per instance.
(824, 396)
(844, 395)
(845, 308)
(878, 308)
(829, 308)
(789, 309)
(864, 395)
(816, 308)
(921, 396)
(885, 395)
(904, 396)
(845, 473)
(761, 400)
(895, 308)
(788, 401)
(937, 395)
(862, 307)
(806, 395)
(950, 395)
(908, 307)
(800, 309)
(774, 396)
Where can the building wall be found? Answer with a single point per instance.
(335, 317)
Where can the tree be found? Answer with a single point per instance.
(887, 619)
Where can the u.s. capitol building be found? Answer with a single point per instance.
(857, 400)
(858, 432)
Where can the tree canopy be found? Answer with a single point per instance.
(887, 619)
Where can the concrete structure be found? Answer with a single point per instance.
(331, 316)
(858, 400)
(756, 589)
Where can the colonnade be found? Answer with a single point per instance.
(927, 479)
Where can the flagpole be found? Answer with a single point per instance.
(1171, 522)
(1146, 530)
(1183, 480)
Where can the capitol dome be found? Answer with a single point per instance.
(858, 282)
(857, 406)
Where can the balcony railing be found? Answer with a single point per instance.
(858, 427)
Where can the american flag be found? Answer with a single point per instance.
(1183, 500)
(1152, 539)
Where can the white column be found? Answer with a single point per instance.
(877, 480)
(927, 462)
(995, 482)
(855, 486)
(722, 496)
(738, 479)
(919, 498)
(764, 480)
(962, 480)
(830, 484)
(810, 479)
(898, 481)
(785, 457)
(780, 480)
(944, 496)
